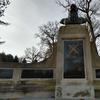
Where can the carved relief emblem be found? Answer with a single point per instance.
(59, 92)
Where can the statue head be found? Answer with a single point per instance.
(73, 8)
(73, 13)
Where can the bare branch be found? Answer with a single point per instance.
(48, 36)
(64, 5)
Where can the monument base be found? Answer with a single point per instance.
(74, 92)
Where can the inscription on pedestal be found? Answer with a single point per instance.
(73, 59)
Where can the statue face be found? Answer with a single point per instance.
(73, 8)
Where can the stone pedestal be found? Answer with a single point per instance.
(75, 92)
(74, 73)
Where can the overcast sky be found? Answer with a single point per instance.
(24, 17)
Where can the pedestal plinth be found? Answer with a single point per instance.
(75, 92)
(74, 65)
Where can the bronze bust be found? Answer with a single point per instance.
(73, 17)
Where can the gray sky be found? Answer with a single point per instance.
(24, 17)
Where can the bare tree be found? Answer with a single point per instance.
(48, 36)
(21, 59)
(3, 6)
(1, 42)
(32, 55)
(89, 8)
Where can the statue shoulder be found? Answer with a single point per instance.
(64, 21)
